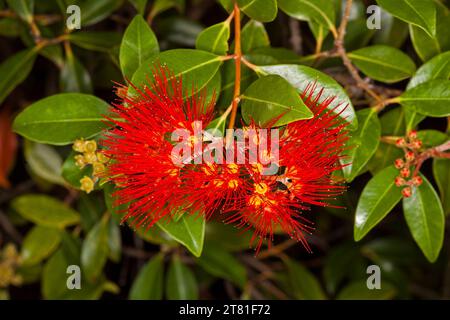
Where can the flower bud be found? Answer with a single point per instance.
(98, 168)
(79, 161)
(406, 192)
(409, 156)
(79, 145)
(399, 163)
(405, 172)
(412, 134)
(87, 184)
(90, 157)
(417, 144)
(401, 143)
(90, 146)
(417, 181)
(101, 157)
(400, 182)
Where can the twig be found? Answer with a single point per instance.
(9, 228)
(296, 37)
(436, 152)
(275, 250)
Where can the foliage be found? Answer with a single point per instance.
(391, 87)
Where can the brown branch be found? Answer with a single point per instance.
(295, 38)
(436, 152)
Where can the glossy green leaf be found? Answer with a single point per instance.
(24, 8)
(260, 10)
(319, 11)
(428, 46)
(44, 162)
(358, 290)
(91, 211)
(237, 240)
(39, 243)
(214, 38)
(304, 284)
(425, 218)
(392, 124)
(14, 70)
(62, 118)
(271, 97)
(198, 70)
(74, 77)
(301, 76)
(362, 143)
(436, 68)
(383, 63)
(180, 282)
(139, 5)
(378, 198)
(254, 36)
(421, 13)
(393, 31)
(94, 251)
(55, 276)
(160, 6)
(101, 41)
(431, 138)
(98, 10)
(220, 263)
(45, 211)
(148, 284)
(431, 98)
(114, 241)
(139, 43)
(189, 230)
(441, 173)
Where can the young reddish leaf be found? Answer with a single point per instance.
(8, 147)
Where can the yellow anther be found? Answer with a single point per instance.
(173, 172)
(233, 168)
(261, 188)
(87, 184)
(101, 157)
(255, 201)
(258, 167)
(233, 184)
(218, 182)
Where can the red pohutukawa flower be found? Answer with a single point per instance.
(156, 185)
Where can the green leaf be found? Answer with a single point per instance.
(378, 198)
(44, 162)
(114, 241)
(301, 76)
(14, 70)
(338, 265)
(10, 27)
(74, 77)
(237, 239)
(261, 10)
(139, 5)
(45, 211)
(91, 211)
(148, 284)
(427, 46)
(220, 263)
(180, 282)
(363, 143)
(214, 38)
(383, 63)
(319, 11)
(55, 276)
(270, 97)
(432, 138)
(101, 41)
(421, 13)
(62, 118)
(392, 124)
(111, 202)
(441, 173)
(72, 173)
(95, 11)
(304, 284)
(436, 68)
(254, 36)
(39, 243)
(24, 8)
(139, 43)
(358, 291)
(94, 251)
(189, 230)
(196, 71)
(431, 98)
(425, 218)
(393, 31)
(163, 5)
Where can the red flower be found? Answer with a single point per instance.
(138, 145)
(309, 153)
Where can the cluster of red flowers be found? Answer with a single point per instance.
(155, 187)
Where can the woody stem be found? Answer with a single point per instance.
(237, 60)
